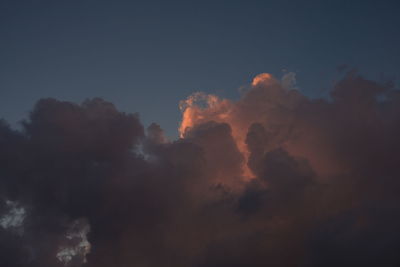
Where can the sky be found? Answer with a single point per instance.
(146, 56)
(199, 134)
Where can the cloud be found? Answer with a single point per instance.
(272, 179)
(289, 81)
(15, 216)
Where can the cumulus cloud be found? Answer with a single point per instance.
(273, 179)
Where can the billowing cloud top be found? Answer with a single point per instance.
(273, 179)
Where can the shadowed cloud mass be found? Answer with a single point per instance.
(272, 179)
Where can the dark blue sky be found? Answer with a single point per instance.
(146, 56)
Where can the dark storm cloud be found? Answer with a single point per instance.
(84, 185)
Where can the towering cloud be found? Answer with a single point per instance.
(273, 179)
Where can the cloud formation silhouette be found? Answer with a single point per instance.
(273, 179)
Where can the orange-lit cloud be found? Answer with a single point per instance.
(253, 107)
(268, 102)
(262, 78)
